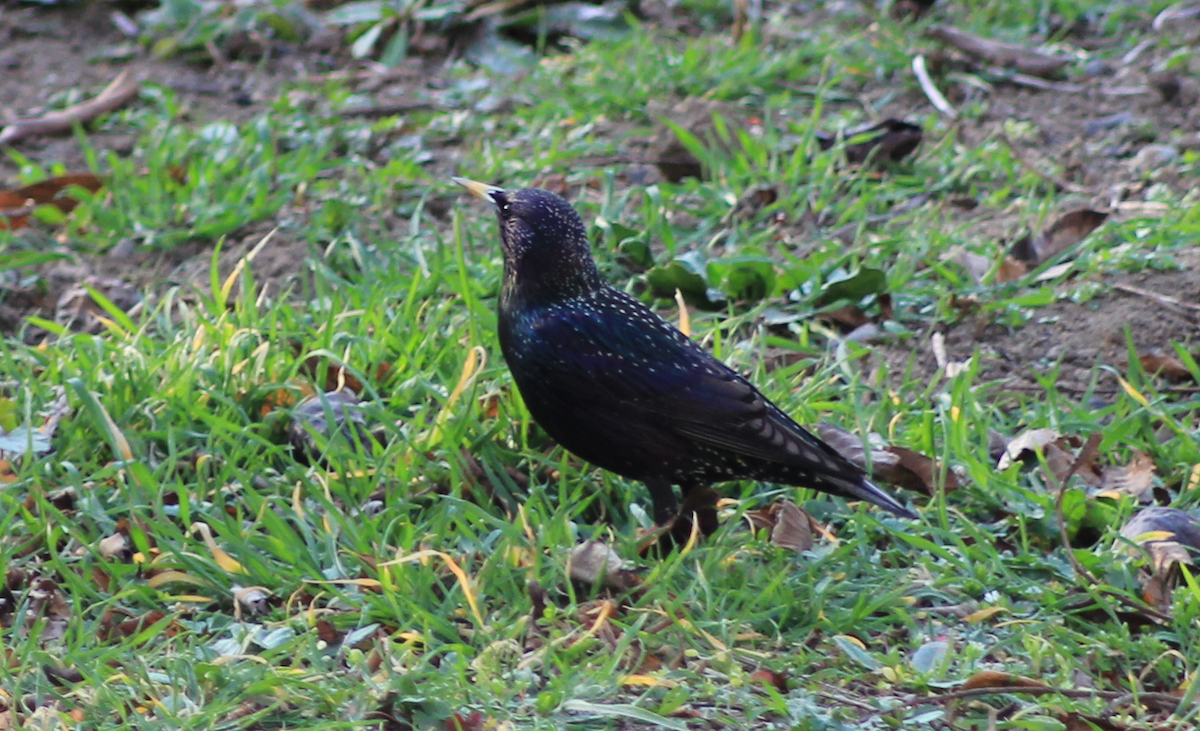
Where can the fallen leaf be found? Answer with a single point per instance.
(1063, 234)
(254, 599)
(646, 681)
(328, 633)
(692, 126)
(1175, 88)
(1169, 535)
(778, 681)
(793, 527)
(929, 656)
(111, 628)
(891, 139)
(1024, 446)
(755, 199)
(1131, 479)
(458, 722)
(925, 469)
(18, 204)
(996, 679)
(48, 602)
(26, 439)
(894, 465)
(1010, 270)
(595, 563)
(1160, 364)
(982, 614)
(61, 676)
(220, 557)
(115, 546)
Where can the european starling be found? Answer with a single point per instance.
(615, 384)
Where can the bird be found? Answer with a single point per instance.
(623, 389)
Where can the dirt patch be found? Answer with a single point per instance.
(1074, 338)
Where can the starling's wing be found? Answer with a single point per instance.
(621, 356)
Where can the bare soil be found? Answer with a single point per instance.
(1070, 338)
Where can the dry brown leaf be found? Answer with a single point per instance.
(778, 681)
(755, 199)
(696, 115)
(115, 95)
(18, 204)
(112, 628)
(891, 139)
(47, 601)
(1063, 234)
(1160, 364)
(850, 446)
(1010, 270)
(1059, 460)
(793, 527)
(328, 633)
(1131, 479)
(596, 563)
(924, 469)
(1008, 55)
(848, 317)
(897, 466)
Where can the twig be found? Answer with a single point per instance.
(1137, 50)
(1178, 11)
(1003, 54)
(386, 110)
(1025, 163)
(935, 97)
(1036, 83)
(1126, 90)
(1162, 299)
(116, 94)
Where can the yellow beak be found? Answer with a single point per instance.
(482, 191)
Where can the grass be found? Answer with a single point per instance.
(392, 587)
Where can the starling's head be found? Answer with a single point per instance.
(545, 244)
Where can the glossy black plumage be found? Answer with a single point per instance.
(620, 387)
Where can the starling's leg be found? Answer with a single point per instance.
(701, 500)
(662, 495)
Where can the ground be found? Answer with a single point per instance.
(240, 571)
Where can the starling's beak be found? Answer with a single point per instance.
(482, 191)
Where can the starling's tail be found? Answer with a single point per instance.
(864, 489)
